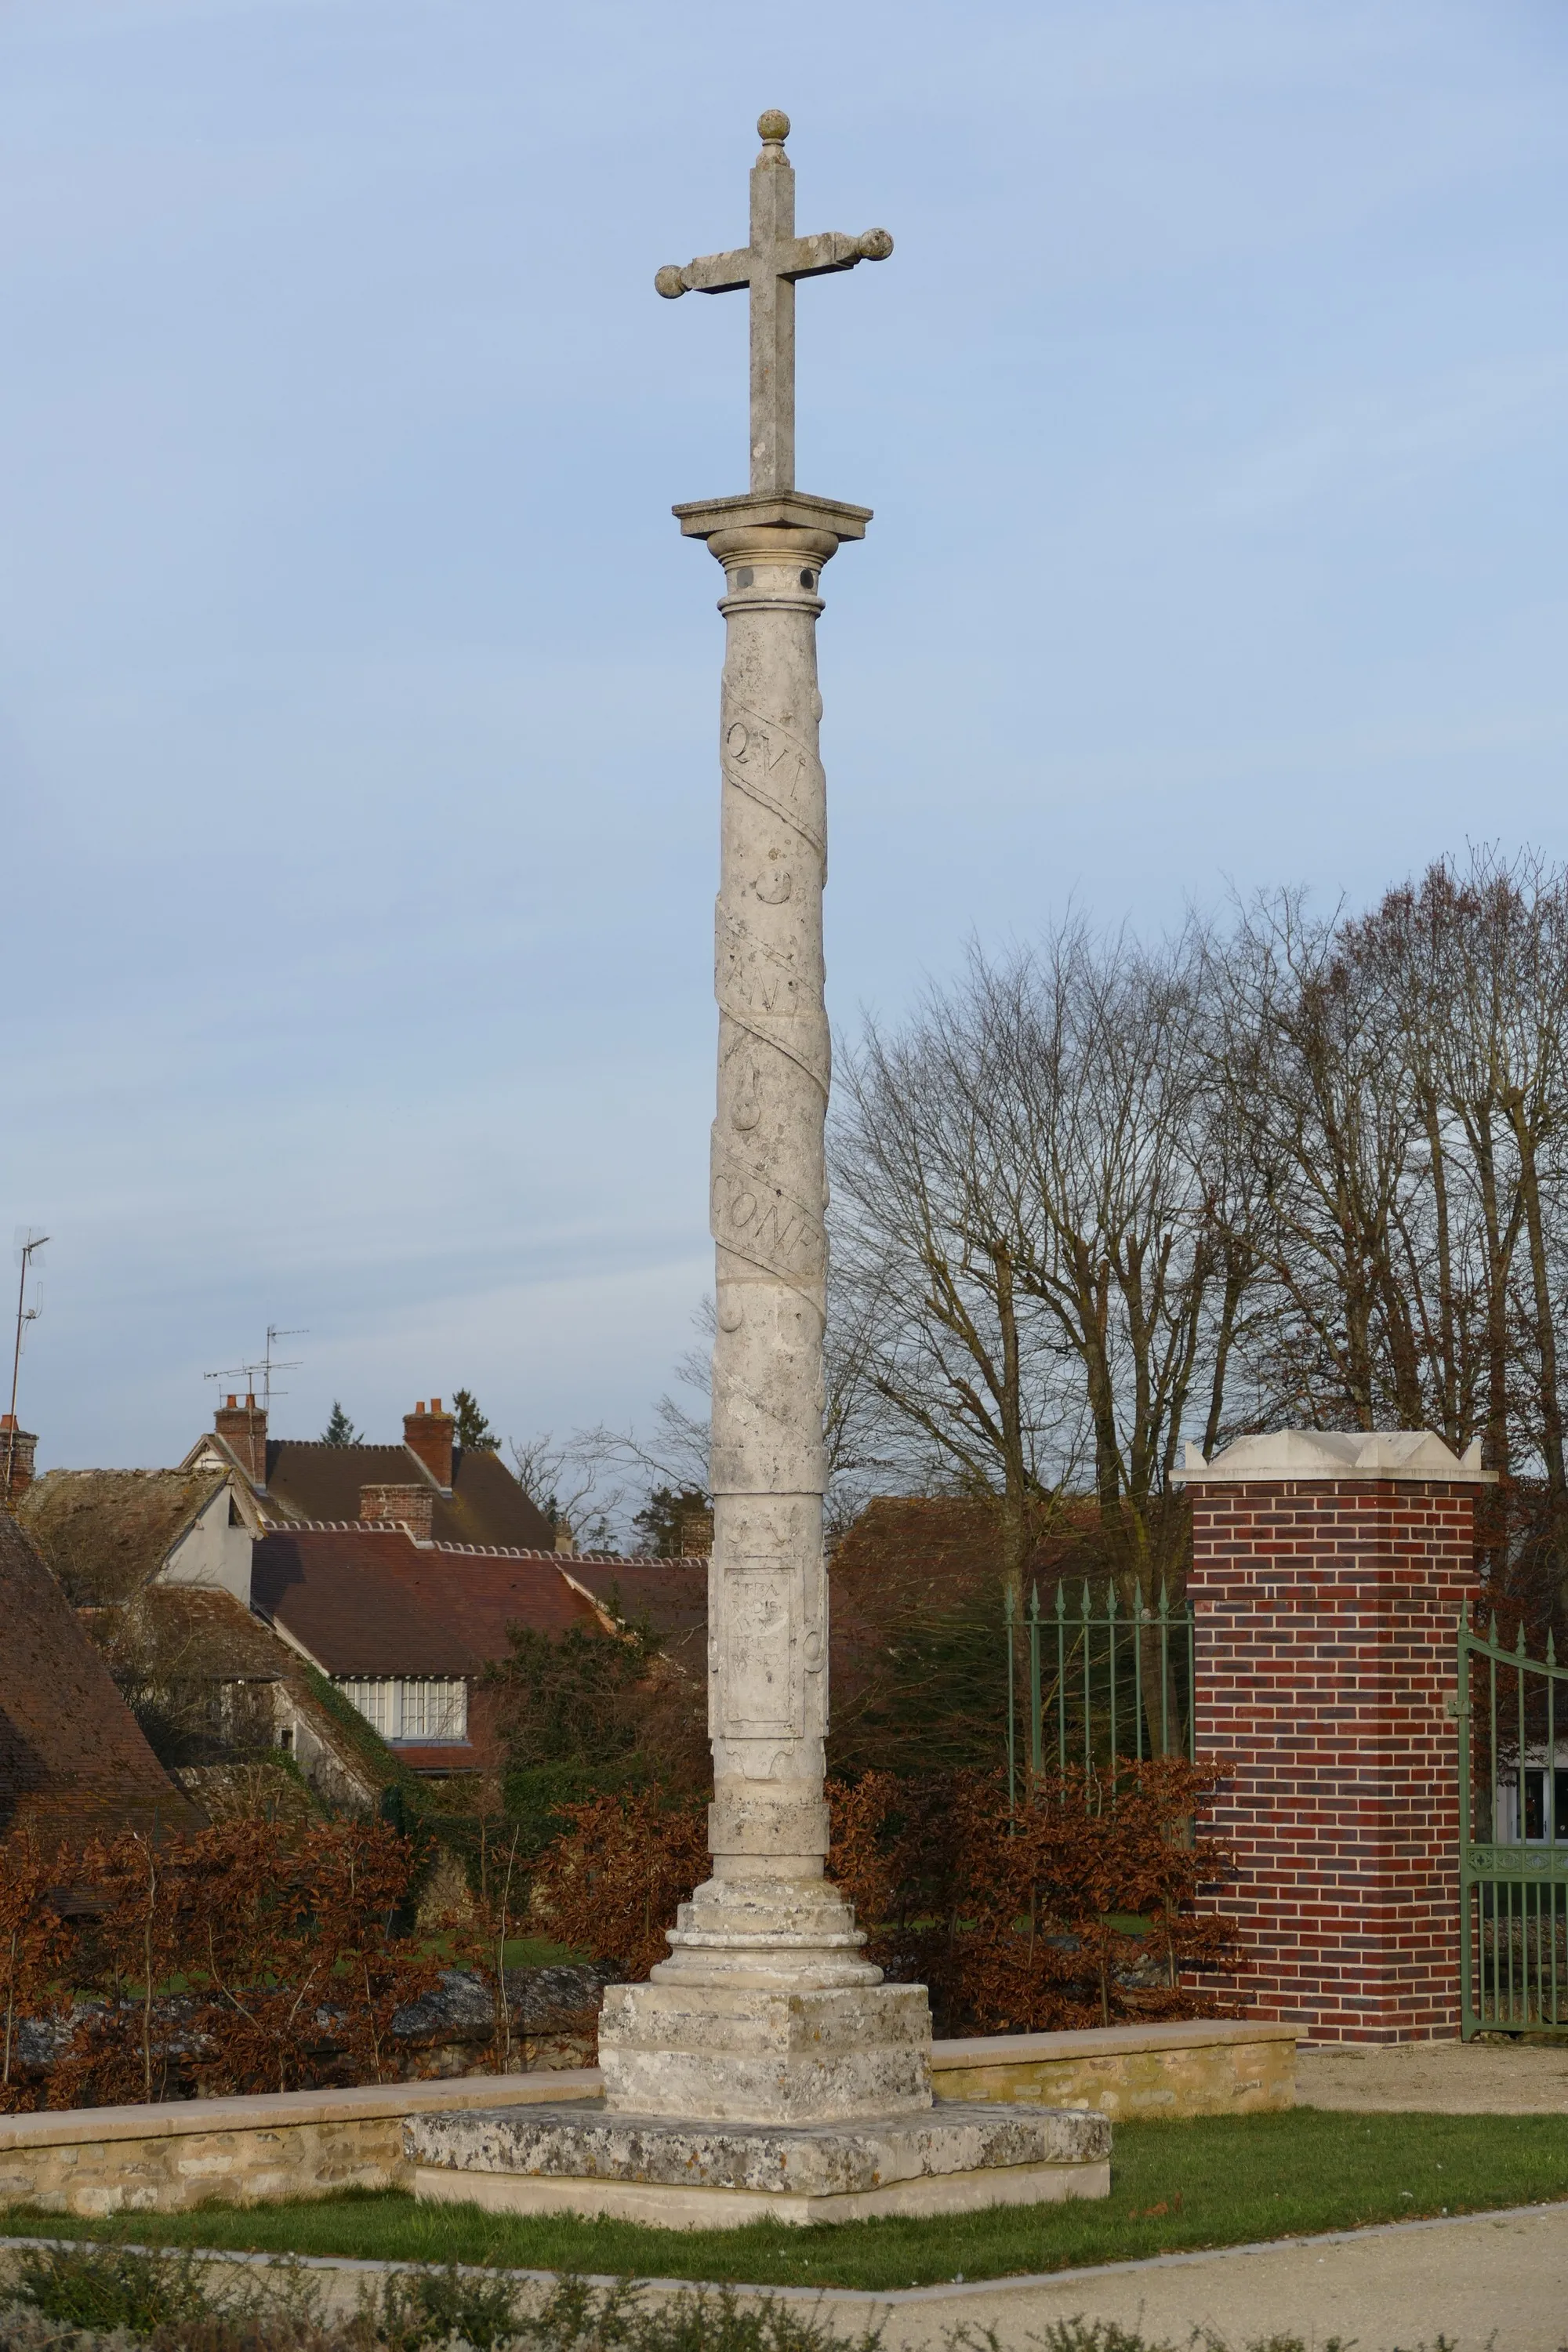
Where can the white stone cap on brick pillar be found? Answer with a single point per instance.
(1297, 1455)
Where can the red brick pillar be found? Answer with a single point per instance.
(1327, 1575)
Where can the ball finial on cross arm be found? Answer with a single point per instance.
(774, 125)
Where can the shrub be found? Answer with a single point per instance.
(1080, 1907)
(32, 1954)
(107, 2287)
(612, 1884)
(253, 1956)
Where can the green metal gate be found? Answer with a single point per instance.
(1101, 1682)
(1514, 1836)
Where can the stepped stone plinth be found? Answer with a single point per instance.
(695, 2175)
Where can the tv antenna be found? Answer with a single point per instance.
(266, 1364)
(28, 1244)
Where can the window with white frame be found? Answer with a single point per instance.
(431, 1707)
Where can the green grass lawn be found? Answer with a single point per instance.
(1174, 2186)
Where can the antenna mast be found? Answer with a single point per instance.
(267, 1363)
(25, 1314)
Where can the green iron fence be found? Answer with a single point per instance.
(1514, 1836)
(1100, 1680)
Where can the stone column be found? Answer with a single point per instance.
(766, 2009)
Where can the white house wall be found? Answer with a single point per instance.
(212, 1552)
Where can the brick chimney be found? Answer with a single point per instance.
(695, 1534)
(243, 1428)
(415, 1505)
(428, 1435)
(17, 1447)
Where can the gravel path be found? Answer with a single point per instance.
(1448, 2078)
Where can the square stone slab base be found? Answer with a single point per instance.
(952, 2158)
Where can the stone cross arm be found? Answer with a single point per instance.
(803, 257)
(768, 268)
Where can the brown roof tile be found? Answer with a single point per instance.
(370, 1600)
(73, 1761)
(486, 1506)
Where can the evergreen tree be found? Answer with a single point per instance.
(340, 1430)
(661, 1525)
(473, 1431)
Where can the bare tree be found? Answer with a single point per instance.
(927, 1244)
(1137, 1215)
(1312, 1063)
(566, 1482)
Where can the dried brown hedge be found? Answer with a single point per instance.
(1080, 1908)
(250, 1957)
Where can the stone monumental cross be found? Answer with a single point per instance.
(766, 2066)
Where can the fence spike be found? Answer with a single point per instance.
(1110, 1602)
(1519, 1645)
(1033, 1604)
(1007, 1602)
(1551, 1648)
(1165, 1598)
(1061, 1597)
(1086, 1600)
(1492, 1635)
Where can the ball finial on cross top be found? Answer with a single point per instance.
(773, 125)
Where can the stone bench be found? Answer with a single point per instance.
(269, 2149)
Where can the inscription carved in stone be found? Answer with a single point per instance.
(762, 1698)
(763, 1224)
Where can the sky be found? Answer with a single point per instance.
(358, 777)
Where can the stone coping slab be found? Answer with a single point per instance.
(1106, 2042)
(175, 2118)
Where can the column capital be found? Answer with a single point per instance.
(772, 510)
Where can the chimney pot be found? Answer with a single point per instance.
(249, 1401)
(434, 1404)
(231, 1401)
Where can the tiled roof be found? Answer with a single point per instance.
(369, 1600)
(106, 1532)
(191, 1633)
(307, 1483)
(669, 1595)
(72, 1758)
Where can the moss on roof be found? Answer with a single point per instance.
(105, 1533)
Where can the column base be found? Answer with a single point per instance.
(765, 2054)
(954, 2159)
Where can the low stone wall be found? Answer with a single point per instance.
(1210, 2067)
(164, 2159)
(266, 2150)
